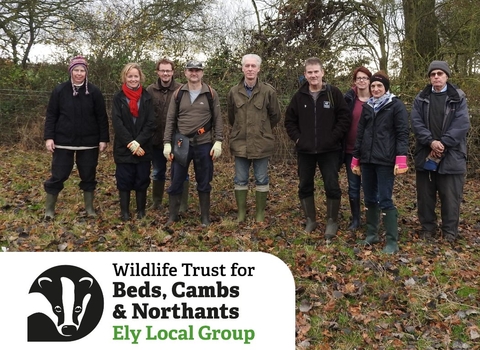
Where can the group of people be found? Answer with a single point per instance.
(367, 129)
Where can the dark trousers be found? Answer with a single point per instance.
(159, 163)
(62, 166)
(133, 176)
(449, 189)
(202, 165)
(328, 165)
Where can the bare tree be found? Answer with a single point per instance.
(24, 23)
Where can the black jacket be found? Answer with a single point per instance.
(76, 120)
(126, 130)
(317, 127)
(383, 135)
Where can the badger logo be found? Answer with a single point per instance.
(67, 302)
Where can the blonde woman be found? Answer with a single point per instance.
(133, 121)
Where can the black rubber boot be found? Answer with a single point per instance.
(308, 206)
(333, 206)
(204, 199)
(184, 200)
(158, 187)
(125, 205)
(50, 202)
(355, 210)
(373, 217)
(141, 199)
(173, 208)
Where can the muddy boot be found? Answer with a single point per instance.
(241, 199)
(158, 188)
(88, 200)
(333, 206)
(373, 217)
(141, 199)
(125, 205)
(260, 204)
(50, 202)
(184, 200)
(204, 199)
(173, 208)
(391, 228)
(355, 210)
(308, 206)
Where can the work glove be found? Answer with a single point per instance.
(216, 150)
(167, 151)
(355, 166)
(133, 146)
(400, 165)
(139, 152)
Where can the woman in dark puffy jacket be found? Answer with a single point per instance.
(380, 153)
(133, 121)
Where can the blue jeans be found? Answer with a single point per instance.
(378, 183)
(354, 181)
(260, 171)
(328, 165)
(202, 165)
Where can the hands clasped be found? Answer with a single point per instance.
(135, 148)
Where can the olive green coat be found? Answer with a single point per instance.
(253, 119)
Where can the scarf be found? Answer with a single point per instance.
(133, 97)
(378, 103)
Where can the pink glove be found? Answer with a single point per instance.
(400, 165)
(355, 166)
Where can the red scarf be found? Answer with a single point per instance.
(133, 97)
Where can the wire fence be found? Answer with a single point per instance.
(22, 117)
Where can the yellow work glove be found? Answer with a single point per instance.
(216, 150)
(139, 152)
(133, 146)
(167, 151)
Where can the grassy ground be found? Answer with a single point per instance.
(348, 297)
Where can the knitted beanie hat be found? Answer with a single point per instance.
(381, 78)
(79, 60)
(442, 65)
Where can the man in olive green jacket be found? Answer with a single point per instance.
(253, 112)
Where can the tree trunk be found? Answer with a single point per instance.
(421, 36)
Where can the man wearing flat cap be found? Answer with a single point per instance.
(440, 122)
(194, 112)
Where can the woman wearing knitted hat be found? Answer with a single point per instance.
(76, 129)
(380, 154)
(133, 121)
